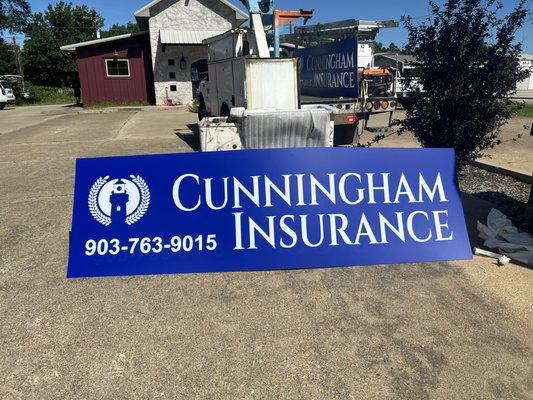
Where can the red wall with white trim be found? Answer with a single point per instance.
(97, 87)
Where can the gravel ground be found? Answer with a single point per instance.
(508, 195)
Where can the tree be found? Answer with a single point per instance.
(392, 48)
(467, 61)
(61, 24)
(8, 65)
(14, 14)
(118, 29)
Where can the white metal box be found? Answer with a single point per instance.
(272, 83)
(253, 83)
(216, 133)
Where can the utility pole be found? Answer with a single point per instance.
(96, 22)
(17, 60)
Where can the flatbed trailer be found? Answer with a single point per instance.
(343, 47)
(350, 115)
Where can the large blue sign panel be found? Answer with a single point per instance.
(329, 70)
(264, 209)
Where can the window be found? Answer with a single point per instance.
(171, 75)
(173, 88)
(171, 62)
(117, 67)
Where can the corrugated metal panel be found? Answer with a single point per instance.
(169, 36)
(282, 129)
(73, 47)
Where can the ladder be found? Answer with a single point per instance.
(362, 29)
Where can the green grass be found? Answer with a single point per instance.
(525, 111)
(43, 95)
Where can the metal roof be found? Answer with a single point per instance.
(401, 58)
(72, 47)
(170, 36)
(144, 12)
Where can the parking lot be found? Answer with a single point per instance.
(438, 330)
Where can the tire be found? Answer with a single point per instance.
(224, 110)
(2, 106)
(345, 135)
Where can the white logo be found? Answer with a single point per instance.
(119, 201)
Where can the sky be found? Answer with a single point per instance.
(121, 11)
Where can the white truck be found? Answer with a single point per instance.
(6, 93)
(234, 55)
(238, 77)
(252, 101)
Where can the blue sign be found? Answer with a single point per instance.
(264, 209)
(329, 70)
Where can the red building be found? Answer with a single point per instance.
(115, 70)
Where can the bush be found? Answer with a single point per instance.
(42, 95)
(468, 62)
(192, 106)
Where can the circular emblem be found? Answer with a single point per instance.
(119, 201)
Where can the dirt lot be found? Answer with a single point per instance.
(439, 330)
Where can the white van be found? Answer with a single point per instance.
(6, 94)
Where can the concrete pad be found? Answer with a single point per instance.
(88, 148)
(84, 127)
(158, 124)
(13, 118)
(438, 330)
(524, 95)
(513, 154)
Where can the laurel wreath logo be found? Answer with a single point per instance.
(145, 200)
(93, 202)
(130, 219)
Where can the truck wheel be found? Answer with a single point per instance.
(202, 111)
(224, 110)
(2, 106)
(345, 135)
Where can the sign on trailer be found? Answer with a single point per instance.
(264, 209)
(329, 70)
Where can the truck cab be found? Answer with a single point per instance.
(223, 87)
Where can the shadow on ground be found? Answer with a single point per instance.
(190, 136)
(511, 207)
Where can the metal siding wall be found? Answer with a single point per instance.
(96, 87)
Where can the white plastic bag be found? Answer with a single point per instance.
(499, 233)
